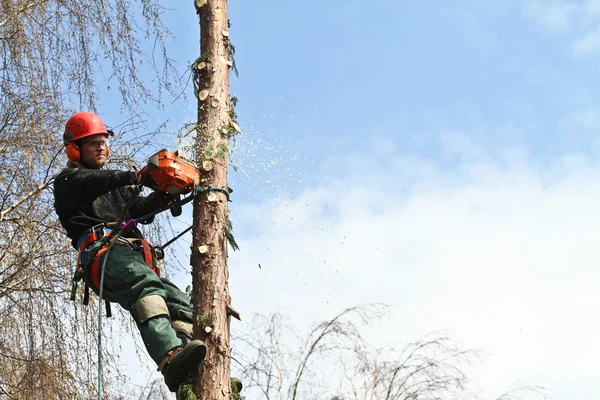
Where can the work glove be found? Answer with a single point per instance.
(144, 179)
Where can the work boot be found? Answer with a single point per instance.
(179, 362)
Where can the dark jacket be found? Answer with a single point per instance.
(84, 198)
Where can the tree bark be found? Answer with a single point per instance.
(210, 274)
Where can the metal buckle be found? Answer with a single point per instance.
(99, 230)
(96, 228)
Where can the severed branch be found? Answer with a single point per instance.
(233, 312)
(29, 195)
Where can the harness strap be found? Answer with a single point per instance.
(137, 244)
(95, 266)
(149, 256)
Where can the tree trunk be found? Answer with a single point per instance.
(209, 247)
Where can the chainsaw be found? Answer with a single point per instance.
(173, 174)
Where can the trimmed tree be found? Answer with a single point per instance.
(210, 287)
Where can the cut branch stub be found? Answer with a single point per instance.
(236, 126)
(223, 60)
(233, 312)
(203, 95)
(212, 197)
(201, 65)
(225, 33)
(201, 3)
(207, 165)
(203, 249)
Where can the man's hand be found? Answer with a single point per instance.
(142, 178)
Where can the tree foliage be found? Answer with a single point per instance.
(58, 57)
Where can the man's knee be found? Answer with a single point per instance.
(149, 307)
(183, 328)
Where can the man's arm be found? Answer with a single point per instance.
(81, 186)
(143, 205)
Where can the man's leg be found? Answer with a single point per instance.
(180, 310)
(131, 283)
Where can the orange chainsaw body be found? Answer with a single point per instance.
(172, 173)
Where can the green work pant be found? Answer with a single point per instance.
(127, 279)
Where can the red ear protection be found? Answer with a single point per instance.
(74, 154)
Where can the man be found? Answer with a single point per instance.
(88, 198)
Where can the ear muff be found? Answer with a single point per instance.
(73, 152)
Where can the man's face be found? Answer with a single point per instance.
(93, 151)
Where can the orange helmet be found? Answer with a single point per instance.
(79, 126)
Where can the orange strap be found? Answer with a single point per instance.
(148, 256)
(92, 237)
(95, 266)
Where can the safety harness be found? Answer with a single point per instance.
(96, 241)
(93, 244)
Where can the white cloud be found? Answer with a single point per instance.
(589, 44)
(562, 16)
(500, 250)
(591, 8)
(588, 119)
(552, 15)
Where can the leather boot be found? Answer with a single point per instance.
(180, 361)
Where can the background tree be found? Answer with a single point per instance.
(335, 361)
(56, 58)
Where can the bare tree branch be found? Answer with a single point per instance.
(429, 368)
(21, 10)
(25, 198)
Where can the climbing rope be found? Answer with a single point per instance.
(100, 313)
(125, 227)
(209, 189)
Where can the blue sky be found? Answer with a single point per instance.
(442, 159)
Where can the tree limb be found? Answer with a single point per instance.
(22, 10)
(35, 192)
